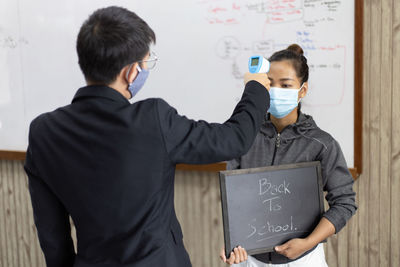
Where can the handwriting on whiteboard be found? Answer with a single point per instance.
(12, 42)
(229, 12)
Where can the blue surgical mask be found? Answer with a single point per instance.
(283, 101)
(139, 81)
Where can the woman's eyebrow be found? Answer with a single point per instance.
(282, 80)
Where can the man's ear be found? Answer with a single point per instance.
(130, 72)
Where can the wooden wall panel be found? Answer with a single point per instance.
(198, 207)
(19, 246)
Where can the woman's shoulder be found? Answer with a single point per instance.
(307, 127)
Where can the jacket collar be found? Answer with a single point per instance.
(303, 124)
(99, 91)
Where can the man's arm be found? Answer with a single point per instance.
(51, 220)
(197, 142)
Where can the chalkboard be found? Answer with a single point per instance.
(203, 47)
(265, 207)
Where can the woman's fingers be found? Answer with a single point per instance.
(245, 254)
(238, 255)
(222, 255)
(231, 259)
(242, 252)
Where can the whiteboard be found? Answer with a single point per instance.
(203, 46)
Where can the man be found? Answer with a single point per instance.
(110, 164)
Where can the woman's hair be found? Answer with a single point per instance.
(294, 54)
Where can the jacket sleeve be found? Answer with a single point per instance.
(51, 220)
(233, 164)
(338, 183)
(199, 142)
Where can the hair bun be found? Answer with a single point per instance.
(296, 48)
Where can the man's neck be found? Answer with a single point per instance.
(117, 86)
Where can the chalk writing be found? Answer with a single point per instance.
(272, 194)
(266, 186)
(273, 204)
(267, 230)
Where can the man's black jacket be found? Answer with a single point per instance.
(110, 165)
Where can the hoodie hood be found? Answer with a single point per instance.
(303, 124)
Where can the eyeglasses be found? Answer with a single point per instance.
(151, 61)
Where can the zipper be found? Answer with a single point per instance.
(277, 145)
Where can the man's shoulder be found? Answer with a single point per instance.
(149, 101)
(152, 101)
(158, 104)
(38, 121)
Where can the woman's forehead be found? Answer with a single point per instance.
(282, 69)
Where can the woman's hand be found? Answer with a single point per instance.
(293, 248)
(238, 255)
(296, 247)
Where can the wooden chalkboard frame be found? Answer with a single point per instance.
(223, 175)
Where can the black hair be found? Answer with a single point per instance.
(294, 54)
(110, 39)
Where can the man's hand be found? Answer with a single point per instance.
(259, 77)
(293, 248)
(238, 255)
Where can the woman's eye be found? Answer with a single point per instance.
(286, 85)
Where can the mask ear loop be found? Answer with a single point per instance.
(301, 88)
(127, 75)
(129, 70)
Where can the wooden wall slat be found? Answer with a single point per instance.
(385, 131)
(374, 131)
(353, 233)
(343, 248)
(18, 215)
(364, 180)
(395, 157)
(3, 253)
(331, 246)
(10, 219)
(26, 215)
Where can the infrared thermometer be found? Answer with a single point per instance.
(258, 64)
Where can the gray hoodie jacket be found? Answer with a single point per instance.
(304, 142)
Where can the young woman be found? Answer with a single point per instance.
(290, 136)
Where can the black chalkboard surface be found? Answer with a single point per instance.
(265, 207)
